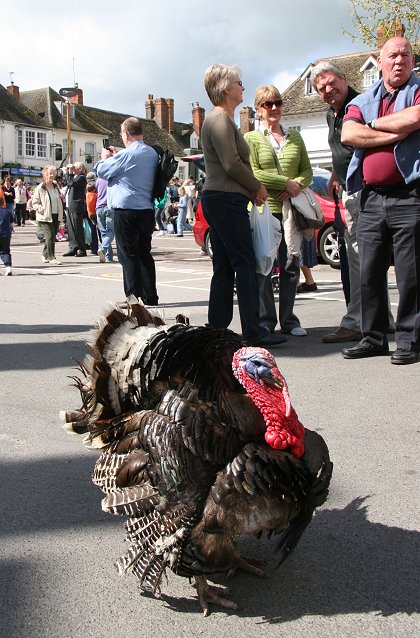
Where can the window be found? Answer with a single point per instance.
(32, 144)
(309, 89)
(71, 160)
(61, 106)
(370, 76)
(90, 152)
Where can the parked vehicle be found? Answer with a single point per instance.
(325, 237)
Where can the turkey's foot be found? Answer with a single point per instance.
(249, 565)
(212, 594)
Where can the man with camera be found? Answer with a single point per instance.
(131, 174)
(76, 191)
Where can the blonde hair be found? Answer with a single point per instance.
(266, 92)
(218, 78)
(46, 169)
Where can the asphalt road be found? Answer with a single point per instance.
(355, 571)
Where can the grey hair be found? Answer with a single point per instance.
(218, 78)
(79, 165)
(324, 67)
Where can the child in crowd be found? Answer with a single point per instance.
(6, 227)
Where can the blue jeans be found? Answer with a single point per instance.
(181, 223)
(105, 220)
(230, 236)
(133, 232)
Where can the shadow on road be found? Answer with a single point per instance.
(344, 564)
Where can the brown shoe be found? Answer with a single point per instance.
(341, 335)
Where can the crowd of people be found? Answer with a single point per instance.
(374, 138)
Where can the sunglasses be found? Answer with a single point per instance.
(269, 104)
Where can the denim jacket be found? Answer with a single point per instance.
(406, 152)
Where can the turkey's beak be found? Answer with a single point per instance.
(271, 379)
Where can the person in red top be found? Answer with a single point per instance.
(91, 197)
(383, 125)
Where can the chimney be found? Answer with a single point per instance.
(78, 98)
(170, 103)
(386, 31)
(247, 119)
(162, 113)
(14, 90)
(150, 107)
(198, 114)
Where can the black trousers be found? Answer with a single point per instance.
(385, 221)
(233, 254)
(75, 231)
(133, 234)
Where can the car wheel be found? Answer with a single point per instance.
(208, 246)
(328, 247)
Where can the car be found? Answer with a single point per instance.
(325, 237)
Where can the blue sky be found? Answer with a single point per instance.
(122, 52)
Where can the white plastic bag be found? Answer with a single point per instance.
(266, 237)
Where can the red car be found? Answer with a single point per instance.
(325, 237)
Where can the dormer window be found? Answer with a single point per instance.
(61, 106)
(370, 76)
(309, 89)
(370, 72)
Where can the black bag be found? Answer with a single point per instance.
(302, 222)
(165, 171)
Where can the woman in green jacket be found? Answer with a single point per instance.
(279, 160)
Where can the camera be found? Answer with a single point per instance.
(106, 144)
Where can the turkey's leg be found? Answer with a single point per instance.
(249, 565)
(212, 594)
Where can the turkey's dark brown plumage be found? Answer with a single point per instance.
(184, 451)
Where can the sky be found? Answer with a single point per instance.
(119, 53)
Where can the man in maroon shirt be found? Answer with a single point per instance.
(383, 125)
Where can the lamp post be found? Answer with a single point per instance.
(67, 93)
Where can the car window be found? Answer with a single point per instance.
(320, 186)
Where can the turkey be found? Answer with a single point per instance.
(200, 445)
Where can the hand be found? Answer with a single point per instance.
(333, 184)
(260, 196)
(293, 188)
(282, 196)
(105, 153)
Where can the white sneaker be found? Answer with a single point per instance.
(8, 272)
(101, 255)
(55, 261)
(298, 332)
(44, 260)
(161, 233)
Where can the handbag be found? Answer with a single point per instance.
(307, 212)
(87, 232)
(266, 237)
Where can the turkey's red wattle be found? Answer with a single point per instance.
(284, 430)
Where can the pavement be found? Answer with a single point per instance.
(355, 570)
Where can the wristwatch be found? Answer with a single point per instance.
(371, 124)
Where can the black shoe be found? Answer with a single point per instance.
(402, 356)
(365, 349)
(81, 253)
(306, 287)
(70, 253)
(269, 340)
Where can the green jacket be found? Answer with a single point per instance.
(294, 162)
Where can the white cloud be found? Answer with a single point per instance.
(124, 52)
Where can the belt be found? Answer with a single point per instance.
(392, 189)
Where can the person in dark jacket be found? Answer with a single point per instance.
(76, 187)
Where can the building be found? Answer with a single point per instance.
(33, 130)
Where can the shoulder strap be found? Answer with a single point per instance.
(273, 152)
